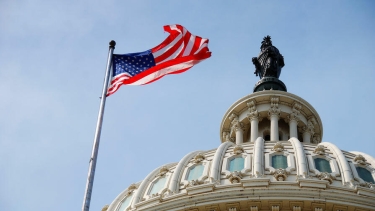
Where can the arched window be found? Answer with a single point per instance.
(236, 164)
(322, 165)
(195, 172)
(279, 161)
(365, 174)
(157, 185)
(125, 203)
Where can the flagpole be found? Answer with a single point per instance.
(95, 147)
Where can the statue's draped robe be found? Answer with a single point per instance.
(271, 62)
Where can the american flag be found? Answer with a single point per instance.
(176, 54)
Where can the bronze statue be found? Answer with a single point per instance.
(270, 61)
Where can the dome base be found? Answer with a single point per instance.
(269, 83)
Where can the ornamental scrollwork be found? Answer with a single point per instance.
(274, 110)
(326, 176)
(131, 188)
(360, 159)
(235, 123)
(295, 112)
(320, 150)
(199, 158)
(309, 127)
(280, 174)
(253, 112)
(235, 177)
(163, 170)
(278, 147)
(226, 137)
(238, 150)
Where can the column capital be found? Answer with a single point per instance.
(235, 123)
(253, 112)
(226, 136)
(309, 127)
(274, 110)
(296, 110)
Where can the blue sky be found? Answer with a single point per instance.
(52, 62)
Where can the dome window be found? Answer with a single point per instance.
(236, 164)
(279, 161)
(322, 165)
(125, 203)
(365, 174)
(157, 185)
(195, 172)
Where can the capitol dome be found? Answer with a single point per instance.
(270, 157)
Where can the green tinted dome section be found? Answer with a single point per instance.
(236, 164)
(322, 165)
(195, 172)
(365, 174)
(279, 161)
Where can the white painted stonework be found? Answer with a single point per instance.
(254, 130)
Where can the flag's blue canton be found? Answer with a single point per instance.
(133, 63)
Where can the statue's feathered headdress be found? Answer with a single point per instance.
(266, 41)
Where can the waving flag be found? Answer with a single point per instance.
(177, 53)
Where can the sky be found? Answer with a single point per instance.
(52, 64)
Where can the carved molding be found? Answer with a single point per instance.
(360, 160)
(326, 176)
(320, 150)
(238, 149)
(235, 177)
(253, 112)
(226, 136)
(280, 174)
(199, 158)
(295, 112)
(274, 110)
(235, 123)
(105, 208)
(278, 147)
(163, 170)
(309, 127)
(316, 139)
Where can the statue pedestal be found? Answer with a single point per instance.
(269, 83)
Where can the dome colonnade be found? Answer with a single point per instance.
(254, 169)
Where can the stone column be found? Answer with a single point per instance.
(308, 130)
(254, 120)
(293, 120)
(274, 114)
(237, 127)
